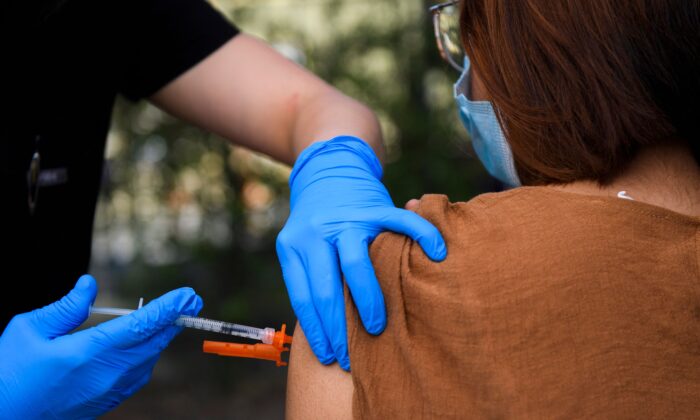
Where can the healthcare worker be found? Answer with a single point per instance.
(64, 63)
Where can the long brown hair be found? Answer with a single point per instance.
(580, 85)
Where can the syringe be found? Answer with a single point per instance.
(266, 335)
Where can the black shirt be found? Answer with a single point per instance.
(62, 68)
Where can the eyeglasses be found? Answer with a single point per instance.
(446, 23)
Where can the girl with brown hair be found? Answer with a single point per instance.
(576, 294)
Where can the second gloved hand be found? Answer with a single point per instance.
(47, 373)
(338, 207)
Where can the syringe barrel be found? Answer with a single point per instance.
(225, 328)
(266, 335)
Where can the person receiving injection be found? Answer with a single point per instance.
(46, 372)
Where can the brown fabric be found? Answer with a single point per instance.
(549, 305)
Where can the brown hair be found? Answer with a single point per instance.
(580, 85)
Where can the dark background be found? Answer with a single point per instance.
(179, 206)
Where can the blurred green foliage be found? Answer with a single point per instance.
(179, 206)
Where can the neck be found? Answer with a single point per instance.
(665, 175)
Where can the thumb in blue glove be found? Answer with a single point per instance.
(46, 372)
(338, 207)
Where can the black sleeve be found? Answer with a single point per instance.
(159, 40)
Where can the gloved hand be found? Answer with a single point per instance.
(45, 373)
(338, 207)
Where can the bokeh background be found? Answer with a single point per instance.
(180, 206)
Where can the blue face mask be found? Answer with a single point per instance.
(488, 139)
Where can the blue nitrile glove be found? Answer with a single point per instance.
(338, 207)
(47, 373)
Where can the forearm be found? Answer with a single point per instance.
(330, 114)
(251, 95)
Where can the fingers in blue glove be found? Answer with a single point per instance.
(98, 367)
(126, 385)
(137, 379)
(327, 293)
(361, 279)
(336, 189)
(159, 314)
(154, 345)
(60, 318)
(417, 228)
(299, 291)
(357, 267)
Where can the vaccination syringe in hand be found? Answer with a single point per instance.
(273, 342)
(266, 335)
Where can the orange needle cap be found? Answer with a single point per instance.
(271, 352)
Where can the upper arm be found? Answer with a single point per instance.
(326, 392)
(164, 39)
(315, 391)
(246, 92)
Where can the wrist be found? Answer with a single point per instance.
(346, 152)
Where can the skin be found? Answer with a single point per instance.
(665, 176)
(316, 391)
(265, 102)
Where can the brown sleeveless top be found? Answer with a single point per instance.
(549, 305)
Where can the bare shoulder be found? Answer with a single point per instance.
(315, 391)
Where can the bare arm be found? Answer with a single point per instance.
(248, 93)
(315, 391)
